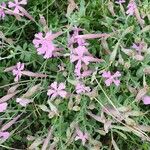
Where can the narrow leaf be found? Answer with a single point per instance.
(12, 89)
(9, 124)
(47, 140)
(141, 93)
(32, 74)
(8, 97)
(31, 91)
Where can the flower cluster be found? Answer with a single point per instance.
(80, 54)
(14, 8)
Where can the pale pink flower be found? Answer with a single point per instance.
(17, 6)
(146, 100)
(131, 8)
(81, 88)
(120, 1)
(45, 45)
(57, 90)
(17, 71)
(2, 11)
(111, 78)
(4, 135)
(81, 55)
(81, 136)
(3, 107)
(23, 101)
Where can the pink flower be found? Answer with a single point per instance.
(81, 136)
(57, 90)
(45, 45)
(2, 11)
(23, 101)
(17, 71)
(81, 88)
(81, 55)
(111, 78)
(4, 135)
(146, 100)
(17, 6)
(131, 8)
(120, 1)
(3, 107)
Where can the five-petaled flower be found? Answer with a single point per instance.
(17, 6)
(81, 88)
(81, 136)
(2, 11)
(4, 135)
(45, 45)
(81, 55)
(57, 90)
(17, 71)
(131, 8)
(111, 78)
(3, 107)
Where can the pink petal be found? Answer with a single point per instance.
(146, 100)
(10, 4)
(23, 2)
(23, 101)
(77, 138)
(108, 82)
(54, 85)
(116, 82)
(62, 93)
(50, 92)
(16, 79)
(106, 74)
(4, 135)
(73, 58)
(117, 74)
(54, 95)
(3, 107)
(61, 86)
(78, 65)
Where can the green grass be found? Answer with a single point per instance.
(95, 17)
